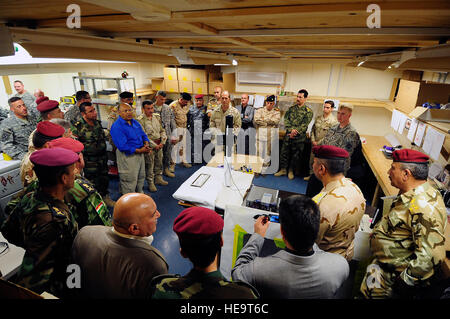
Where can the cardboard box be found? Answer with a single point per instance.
(171, 86)
(170, 74)
(229, 82)
(199, 76)
(185, 86)
(214, 77)
(200, 88)
(157, 84)
(184, 74)
(212, 85)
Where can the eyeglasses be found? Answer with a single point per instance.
(3, 247)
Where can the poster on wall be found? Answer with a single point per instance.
(238, 227)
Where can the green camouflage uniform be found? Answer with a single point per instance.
(198, 285)
(94, 153)
(407, 243)
(297, 117)
(45, 227)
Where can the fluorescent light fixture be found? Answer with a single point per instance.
(221, 64)
(21, 56)
(234, 62)
(361, 63)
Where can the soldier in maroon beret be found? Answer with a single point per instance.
(41, 99)
(49, 110)
(199, 231)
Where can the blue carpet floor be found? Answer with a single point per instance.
(165, 239)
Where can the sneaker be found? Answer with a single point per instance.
(281, 172)
(160, 181)
(108, 201)
(168, 173)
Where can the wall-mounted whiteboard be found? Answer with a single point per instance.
(265, 78)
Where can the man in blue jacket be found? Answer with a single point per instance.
(132, 143)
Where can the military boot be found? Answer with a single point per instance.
(160, 181)
(187, 165)
(172, 167)
(281, 172)
(291, 174)
(168, 173)
(151, 187)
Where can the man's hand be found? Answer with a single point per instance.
(261, 225)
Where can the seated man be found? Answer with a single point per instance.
(199, 230)
(119, 262)
(341, 202)
(298, 271)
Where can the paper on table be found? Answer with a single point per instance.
(412, 129)
(259, 101)
(432, 143)
(419, 135)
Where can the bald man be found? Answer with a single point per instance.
(119, 262)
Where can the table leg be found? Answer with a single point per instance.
(376, 195)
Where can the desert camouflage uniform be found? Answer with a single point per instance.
(212, 105)
(342, 205)
(296, 117)
(45, 227)
(94, 153)
(168, 123)
(180, 114)
(198, 285)
(266, 125)
(156, 134)
(217, 125)
(14, 134)
(346, 138)
(407, 243)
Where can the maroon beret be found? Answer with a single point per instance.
(41, 99)
(50, 129)
(67, 143)
(329, 152)
(199, 96)
(47, 106)
(409, 156)
(198, 221)
(54, 157)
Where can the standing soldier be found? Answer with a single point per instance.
(266, 121)
(247, 113)
(180, 109)
(197, 124)
(296, 121)
(73, 114)
(127, 98)
(215, 101)
(27, 98)
(408, 242)
(151, 123)
(16, 129)
(89, 131)
(168, 123)
(43, 224)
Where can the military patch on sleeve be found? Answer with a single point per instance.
(57, 212)
(88, 188)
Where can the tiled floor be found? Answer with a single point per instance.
(165, 239)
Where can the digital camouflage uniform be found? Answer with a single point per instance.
(407, 243)
(168, 123)
(212, 105)
(346, 138)
(342, 205)
(198, 285)
(45, 227)
(197, 124)
(73, 114)
(266, 125)
(217, 124)
(156, 134)
(30, 102)
(319, 131)
(14, 133)
(296, 117)
(94, 153)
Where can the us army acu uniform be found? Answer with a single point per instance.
(153, 161)
(408, 242)
(180, 114)
(212, 105)
(30, 103)
(319, 130)
(45, 228)
(168, 123)
(296, 117)
(94, 153)
(73, 114)
(217, 125)
(14, 133)
(342, 205)
(266, 125)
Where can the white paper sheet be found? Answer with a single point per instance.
(259, 101)
(412, 129)
(419, 134)
(395, 120)
(401, 122)
(432, 143)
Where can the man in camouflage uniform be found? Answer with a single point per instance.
(151, 123)
(215, 101)
(180, 109)
(296, 121)
(408, 242)
(197, 124)
(168, 123)
(27, 98)
(73, 114)
(199, 231)
(127, 98)
(43, 224)
(217, 122)
(266, 120)
(89, 131)
(341, 202)
(15, 130)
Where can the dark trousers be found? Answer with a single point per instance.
(291, 152)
